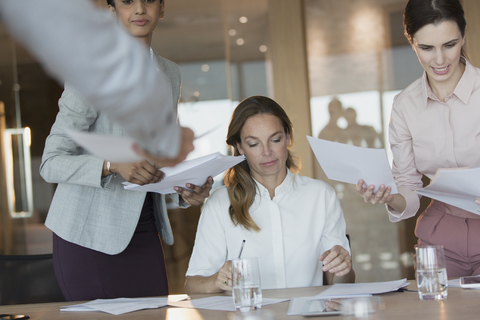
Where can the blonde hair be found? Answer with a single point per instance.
(241, 186)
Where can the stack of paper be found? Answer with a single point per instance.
(348, 290)
(125, 305)
(222, 303)
(458, 187)
(195, 171)
(118, 306)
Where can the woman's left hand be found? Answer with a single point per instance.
(196, 195)
(477, 201)
(336, 260)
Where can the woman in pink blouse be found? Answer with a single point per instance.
(435, 124)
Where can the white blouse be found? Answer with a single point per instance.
(301, 222)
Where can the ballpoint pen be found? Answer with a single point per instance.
(241, 249)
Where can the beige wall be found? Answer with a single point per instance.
(472, 12)
(288, 59)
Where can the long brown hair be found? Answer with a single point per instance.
(241, 186)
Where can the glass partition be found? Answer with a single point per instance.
(359, 60)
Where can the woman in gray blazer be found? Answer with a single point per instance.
(106, 242)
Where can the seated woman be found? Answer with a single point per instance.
(290, 223)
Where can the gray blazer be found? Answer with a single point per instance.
(87, 209)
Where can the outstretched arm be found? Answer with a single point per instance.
(108, 67)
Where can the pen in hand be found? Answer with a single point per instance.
(241, 249)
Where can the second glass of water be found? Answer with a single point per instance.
(432, 281)
(247, 292)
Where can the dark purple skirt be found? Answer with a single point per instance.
(138, 271)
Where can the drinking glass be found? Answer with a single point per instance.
(432, 279)
(247, 292)
(363, 308)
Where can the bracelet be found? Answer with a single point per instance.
(108, 167)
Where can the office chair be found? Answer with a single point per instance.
(28, 279)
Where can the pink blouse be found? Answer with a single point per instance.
(427, 134)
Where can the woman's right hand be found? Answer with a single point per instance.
(141, 173)
(223, 281)
(217, 282)
(381, 196)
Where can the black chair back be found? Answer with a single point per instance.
(28, 279)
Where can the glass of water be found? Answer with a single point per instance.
(247, 292)
(363, 308)
(432, 279)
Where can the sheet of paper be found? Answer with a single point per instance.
(458, 187)
(195, 171)
(363, 288)
(222, 303)
(111, 148)
(347, 163)
(118, 306)
(454, 283)
(107, 147)
(296, 304)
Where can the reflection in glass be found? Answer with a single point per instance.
(19, 174)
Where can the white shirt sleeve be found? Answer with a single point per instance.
(335, 225)
(84, 46)
(210, 249)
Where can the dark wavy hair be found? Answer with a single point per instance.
(419, 13)
(241, 186)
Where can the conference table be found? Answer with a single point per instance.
(460, 304)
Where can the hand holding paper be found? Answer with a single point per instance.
(195, 171)
(458, 187)
(346, 163)
(195, 195)
(121, 149)
(106, 147)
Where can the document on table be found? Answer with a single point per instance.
(221, 303)
(195, 171)
(363, 288)
(118, 306)
(347, 163)
(458, 187)
(296, 303)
